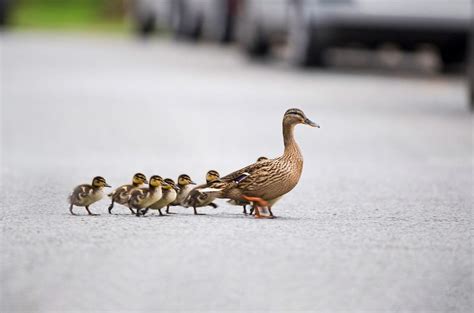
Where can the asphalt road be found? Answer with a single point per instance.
(380, 221)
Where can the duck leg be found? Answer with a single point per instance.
(245, 209)
(70, 210)
(144, 212)
(161, 214)
(90, 213)
(258, 203)
(111, 206)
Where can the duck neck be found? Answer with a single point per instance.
(291, 147)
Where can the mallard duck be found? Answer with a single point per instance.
(170, 191)
(84, 195)
(266, 181)
(244, 203)
(142, 198)
(185, 185)
(122, 193)
(198, 199)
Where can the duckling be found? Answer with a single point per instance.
(266, 181)
(84, 195)
(170, 191)
(244, 203)
(142, 198)
(185, 185)
(122, 193)
(198, 199)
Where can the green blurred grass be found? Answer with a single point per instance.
(70, 15)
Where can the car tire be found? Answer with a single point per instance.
(451, 57)
(304, 43)
(221, 23)
(250, 33)
(470, 74)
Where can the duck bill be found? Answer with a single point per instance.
(145, 181)
(192, 183)
(311, 123)
(107, 185)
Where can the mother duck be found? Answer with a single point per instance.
(264, 182)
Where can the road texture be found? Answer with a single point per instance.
(380, 220)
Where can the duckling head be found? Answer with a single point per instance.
(212, 176)
(184, 180)
(262, 158)
(296, 116)
(139, 179)
(99, 182)
(170, 184)
(156, 181)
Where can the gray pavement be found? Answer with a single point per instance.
(380, 221)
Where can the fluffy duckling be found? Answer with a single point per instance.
(84, 195)
(170, 191)
(185, 185)
(142, 198)
(122, 193)
(197, 199)
(244, 203)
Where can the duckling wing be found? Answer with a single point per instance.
(138, 195)
(80, 193)
(121, 194)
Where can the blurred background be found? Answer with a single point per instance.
(424, 36)
(380, 221)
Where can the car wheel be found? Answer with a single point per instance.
(452, 57)
(220, 24)
(304, 43)
(471, 69)
(177, 18)
(144, 24)
(250, 34)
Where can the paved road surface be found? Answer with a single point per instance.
(380, 220)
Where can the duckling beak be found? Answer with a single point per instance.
(107, 185)
(192, 183)
(309, 122)
(145, 181)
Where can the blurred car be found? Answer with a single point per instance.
(4, 12)
(311, 26)
(149, 15)
(212, 19)
(189, 19)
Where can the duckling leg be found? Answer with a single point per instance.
(111, 206)
(195, 211)
(144, 212)
(90, 213)
(70, 210)
(213, 205)
(161, 214)
(270, 210)
(245, 209)
(168, 210)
